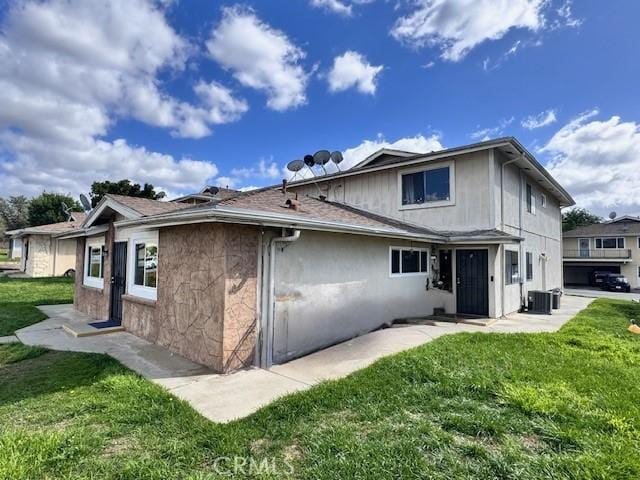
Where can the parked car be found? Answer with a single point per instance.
(614, 282)
(597, 278)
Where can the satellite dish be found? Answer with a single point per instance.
(321, 157)
(86, 204)
(336, 157)
(613, 215)
(309, 161)
(66, 210)
(212, 190)
(295, 165)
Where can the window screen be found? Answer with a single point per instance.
(511, 267)
(428, 186)
(529, 266)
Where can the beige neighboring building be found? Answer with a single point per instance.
(612, 246)
(42, 252)
(265, 276)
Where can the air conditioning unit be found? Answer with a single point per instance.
(539, 302)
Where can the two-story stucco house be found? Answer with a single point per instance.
(612, 246)
(265, 276)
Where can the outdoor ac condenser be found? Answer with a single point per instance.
(539, 301)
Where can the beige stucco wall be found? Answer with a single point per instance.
(65, 256)
(40, 260)
(206, 298)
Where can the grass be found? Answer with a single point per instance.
(4, 255)
(525, 406)
(18, 298)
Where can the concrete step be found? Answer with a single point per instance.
(86, 330)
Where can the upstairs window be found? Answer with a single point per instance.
(427, 186)
(512, 272)
(531, 199)
(529, 266)
(409, 261)
(543, 200)
(610, 242)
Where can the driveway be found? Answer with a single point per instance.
(222, 398)
(597, 293)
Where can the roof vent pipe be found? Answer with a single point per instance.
(284, 186)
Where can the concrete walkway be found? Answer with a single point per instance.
(597, 293)
(222, 398)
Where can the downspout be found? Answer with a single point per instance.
(520, 246)
(504, 279)
(268, 361)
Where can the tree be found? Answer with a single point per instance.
(578, 217)
(123, 187)
(14, 212)
(50, 208)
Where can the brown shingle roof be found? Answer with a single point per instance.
(273, 201)
(146, 206)
(623, 227)
(53, 228)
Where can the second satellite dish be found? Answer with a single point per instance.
(85, 202)
(321, 157)
(336, 157)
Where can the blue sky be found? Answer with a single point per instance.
(187, 93)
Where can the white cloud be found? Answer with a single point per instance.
(458, 26)
(351, 70)
(540, 120)
(335, 6)
(416, 144)
(259, 57)
(265, 169)
(598, 162)
(70, 70)
(484, 134)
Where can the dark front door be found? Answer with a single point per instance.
(472, 282)
(118, 280)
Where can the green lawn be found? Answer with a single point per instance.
(562, 405)
(18, 298)
(4, 255)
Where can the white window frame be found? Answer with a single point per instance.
(531, 197)
(543, 200)
(440, 203)
(602, 247)
(86, 279)
(148, 293)
(409, 274)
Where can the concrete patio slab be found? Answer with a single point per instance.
(8, 339)
(222, 398)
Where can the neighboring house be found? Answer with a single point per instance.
(265, 276)
(42, 253)
(612, 246)
(208, 194)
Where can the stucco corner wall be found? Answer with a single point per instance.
(91, 301)
(39, 263)
(206, 299)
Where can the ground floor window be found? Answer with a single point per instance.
(512, 272)
(143, 277)
(529, 266)
(409, 261)
(94, 263)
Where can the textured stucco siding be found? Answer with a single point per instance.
(206, 301)
(40, 261)
(89, 300)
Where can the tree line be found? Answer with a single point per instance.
(20, 212)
